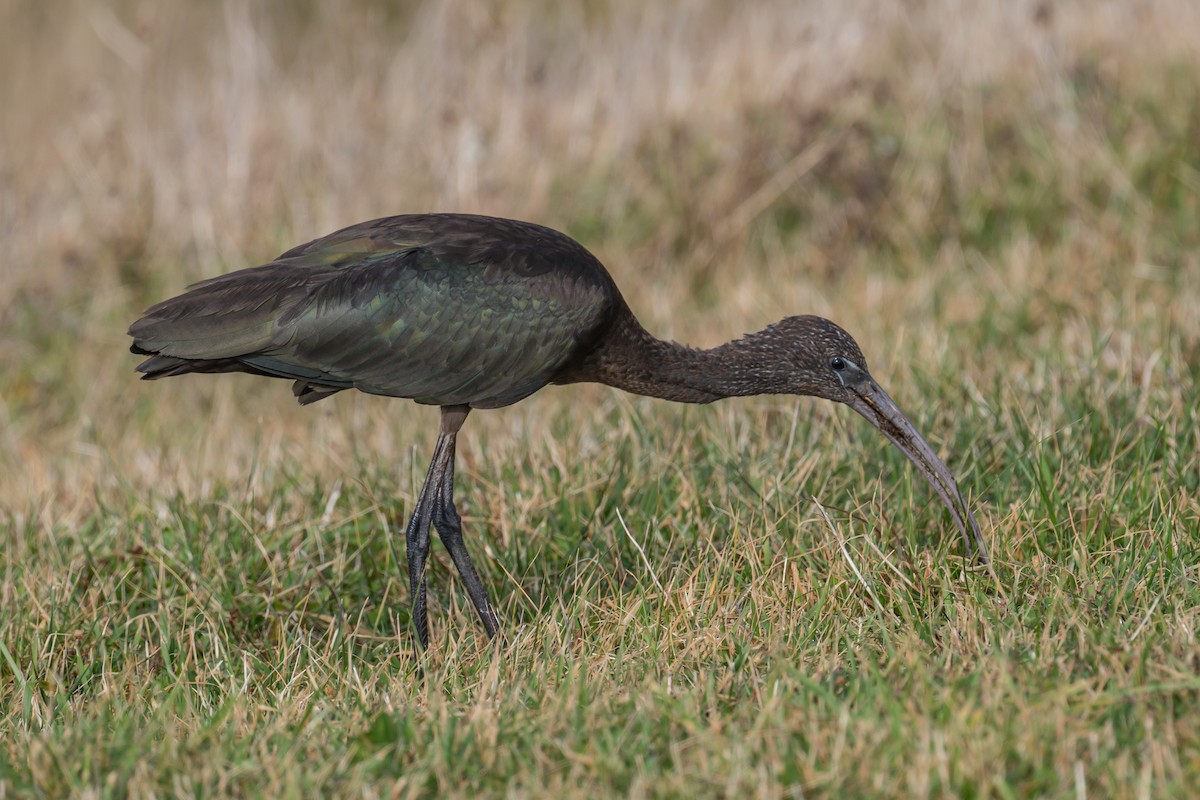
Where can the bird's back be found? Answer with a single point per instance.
(446, 309)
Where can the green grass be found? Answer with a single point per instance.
(202, 586)
(247, 644)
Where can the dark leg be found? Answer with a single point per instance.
(417, 534)
(449, 528)
(436, 505)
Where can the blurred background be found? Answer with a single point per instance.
(993, 197)
(202, 591)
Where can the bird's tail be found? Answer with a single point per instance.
(226, 317)
(230, 324)
(158, 366)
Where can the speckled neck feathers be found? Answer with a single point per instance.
(632, 359)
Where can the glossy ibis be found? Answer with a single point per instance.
(466, 312)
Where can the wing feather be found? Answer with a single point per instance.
(444, 309)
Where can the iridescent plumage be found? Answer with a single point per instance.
(466, 312)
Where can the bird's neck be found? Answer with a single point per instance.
(638, 362)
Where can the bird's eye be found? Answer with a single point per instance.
(838, 363)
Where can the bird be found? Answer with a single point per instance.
(468, 312)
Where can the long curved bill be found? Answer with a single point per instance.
(870, 400)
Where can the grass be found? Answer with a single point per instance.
(202, 585)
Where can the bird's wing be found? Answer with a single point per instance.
(436, 331)
(482, 318)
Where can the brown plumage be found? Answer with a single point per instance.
(465, 312)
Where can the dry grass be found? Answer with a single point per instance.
(999, 199)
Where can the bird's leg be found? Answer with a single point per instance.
(417, 534)
(449, 528)
(449, 525)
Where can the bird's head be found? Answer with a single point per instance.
(825, 361)
(822, 359)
